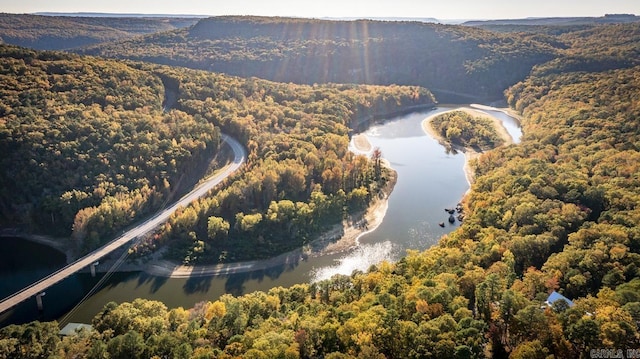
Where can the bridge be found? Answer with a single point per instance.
(139, 230)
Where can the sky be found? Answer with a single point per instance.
(439, 9)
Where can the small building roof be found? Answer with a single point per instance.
(555, 296)
(73, 328)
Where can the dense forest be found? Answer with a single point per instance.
(87, 146)
(462, 129)
(557, 212)
(301, 177)
(102, 124)
(461, 60)
(67, 32)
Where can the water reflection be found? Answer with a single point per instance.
(23, 262)
(197, 284)
(361, 259)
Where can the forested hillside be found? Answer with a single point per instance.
(86, 145)
(446, 59)
(559, 211)
(556, 212)
(300, 178)
(89, 148)
(67, 32)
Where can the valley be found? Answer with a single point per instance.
(93, 143)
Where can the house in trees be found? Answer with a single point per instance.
(555, 296)
(74, 329)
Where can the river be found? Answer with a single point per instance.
(429, 180)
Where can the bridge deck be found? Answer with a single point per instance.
(141, 229)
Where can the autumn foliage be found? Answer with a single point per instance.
(556, 212)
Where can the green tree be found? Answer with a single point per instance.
(126, 346)
(217, 228)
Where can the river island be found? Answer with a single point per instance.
(470, 152)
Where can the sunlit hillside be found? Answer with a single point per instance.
(449, 60)
(546, 263)
(66, 32)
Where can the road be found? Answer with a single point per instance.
(139, 230)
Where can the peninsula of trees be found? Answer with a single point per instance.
(460, 128)
(89, 148)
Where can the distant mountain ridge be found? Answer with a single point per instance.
(461, 61)
(116, 15)
(384, 18)
(66, 32)
(455, 59)
(559, 21)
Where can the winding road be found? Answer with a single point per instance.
(139, 230)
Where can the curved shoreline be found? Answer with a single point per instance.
(506, 110)
(48, 241)
(339, 238)
(469, 153)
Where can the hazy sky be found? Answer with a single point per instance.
(441, 9)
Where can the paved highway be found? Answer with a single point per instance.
(141, 229)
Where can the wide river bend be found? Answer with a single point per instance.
(429, 180)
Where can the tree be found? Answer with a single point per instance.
(217, 228)
(584, 334)
(358, 199)
(530, 350)
(248, 222)
(376, 157)
(32, 340)
(127, 346)
(529, 323)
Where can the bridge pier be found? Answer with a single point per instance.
(39, 300)
(93, 268)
